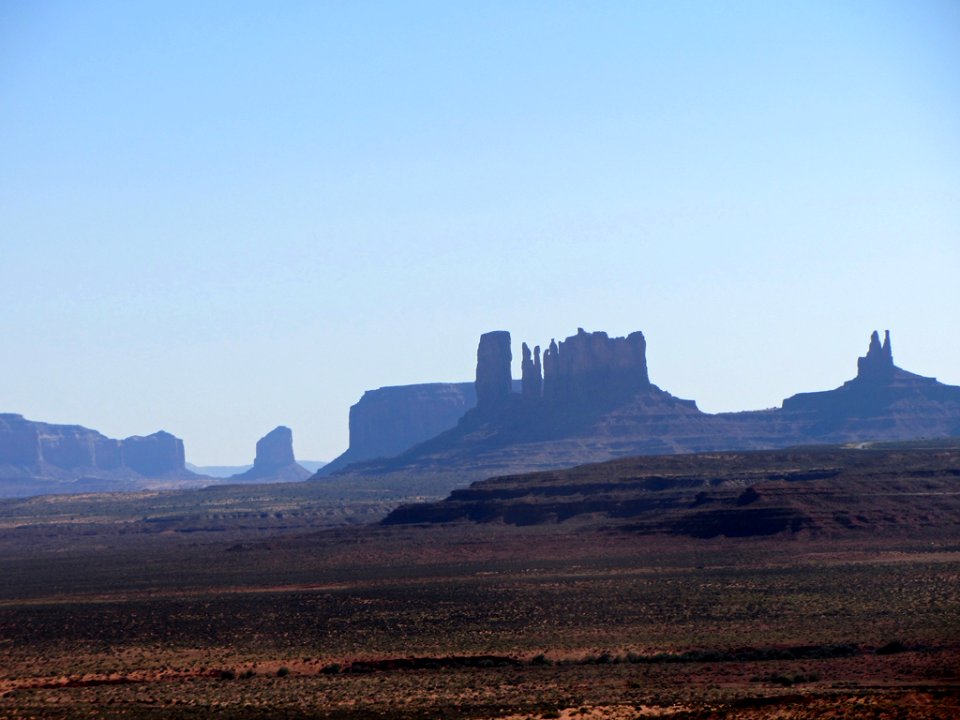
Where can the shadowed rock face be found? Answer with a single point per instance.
(64, 451)
(275, 449)
(154, 455)
(531, 375)
(494, 381)
(389, 420)
(586, 364)
(275, 460)
(877, 364)
(882, 401)
(597, 403)
(821, 489)
(37, 457)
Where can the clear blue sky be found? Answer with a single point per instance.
(218, 217)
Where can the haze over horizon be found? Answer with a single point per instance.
(219, 218)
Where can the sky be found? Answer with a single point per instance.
(219, 217)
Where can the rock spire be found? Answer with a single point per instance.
(531, 374)
(877, 364)
(494, 382)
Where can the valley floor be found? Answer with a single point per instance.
(477, 621)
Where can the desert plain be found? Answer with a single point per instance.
(287, 603)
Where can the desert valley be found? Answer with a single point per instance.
(588, 548)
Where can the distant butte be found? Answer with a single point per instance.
(589, 398)
(38, 457)
(274, 461)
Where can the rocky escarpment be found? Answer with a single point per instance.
(274, 461)
(44, 457)
(819, 490)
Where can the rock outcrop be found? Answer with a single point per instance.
(38, 457)
(275, 461)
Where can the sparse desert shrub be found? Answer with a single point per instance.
(228, 675)
(892, 648)
(790, 680)
(332, 669)
(283, 671)
(540, 659)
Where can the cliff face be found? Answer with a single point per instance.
(389, 420)
(493, 384)
(587, 364)
(154, 455)
(40, 455)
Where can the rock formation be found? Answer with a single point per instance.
(154, 455)
(494, 381)
(587, 364)
(44, 457)
(531, 375)
(389, 420)
(274, 461)
(597, 403)
(877, 364)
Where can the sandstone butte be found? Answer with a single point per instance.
(589, 398)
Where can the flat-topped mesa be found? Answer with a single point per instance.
(587, 363)
(494, 382)
(877, 364)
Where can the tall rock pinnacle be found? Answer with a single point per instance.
(275, 449)
(494, 382)
(274, 459)
(531, 374)
(877, 364)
